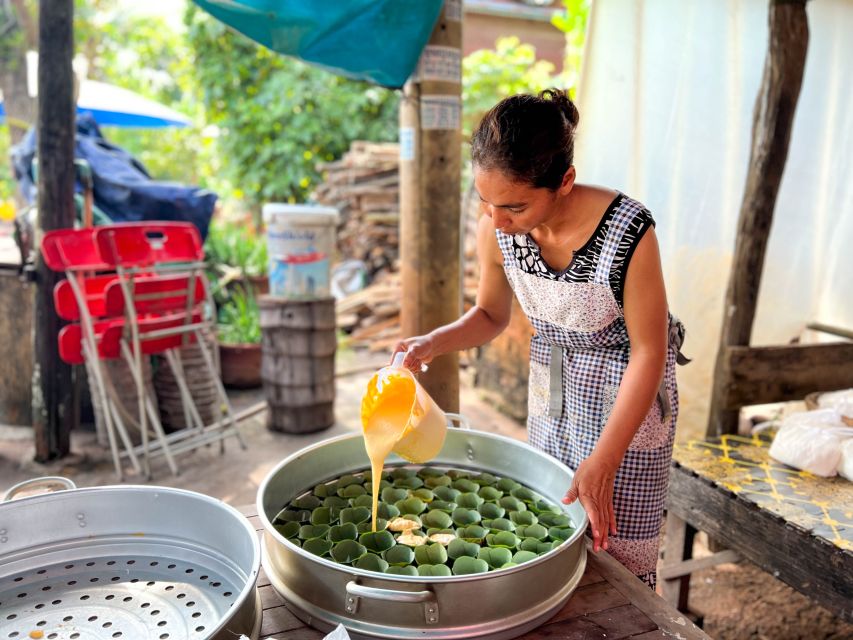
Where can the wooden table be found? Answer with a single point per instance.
(797, 526)
(609, 603)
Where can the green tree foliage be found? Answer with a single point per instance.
(143, 53)
(7, 184)
(278, 117)
(489, 75)
(572, 21)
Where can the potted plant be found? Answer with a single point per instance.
(236, 256)
(239, 337)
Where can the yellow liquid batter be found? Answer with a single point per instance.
(385, 415)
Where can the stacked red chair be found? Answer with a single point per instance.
(134, 290)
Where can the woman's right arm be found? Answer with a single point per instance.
(483, 322)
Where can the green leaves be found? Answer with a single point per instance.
(465, 565)
(495, 557)
(355, 515)
(377, 541)
(371, 562)
(465, 517)
(278, 118)
(399, 555)
(422, 533)
(459, 547)
(309, 531)
(431, 554)
(437, 519)
(317, 546)
(434, 570)
(340, 532)
(348, 551)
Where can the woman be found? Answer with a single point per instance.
(583, 262)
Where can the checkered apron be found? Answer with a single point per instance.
(577, 359)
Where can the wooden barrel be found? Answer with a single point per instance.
(298, 363)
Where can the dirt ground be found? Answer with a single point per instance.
(742, 602)
(736, 602)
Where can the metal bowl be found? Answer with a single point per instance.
(498, 605)
(127, 562)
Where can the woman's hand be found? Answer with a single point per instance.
(593, 485)
(420, 351)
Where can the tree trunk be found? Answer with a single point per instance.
(53, 405)
(20, 108)
(771, 132)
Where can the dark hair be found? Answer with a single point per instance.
(530, 138)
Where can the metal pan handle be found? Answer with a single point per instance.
(426, 597)
(459, 420)
(47, 481)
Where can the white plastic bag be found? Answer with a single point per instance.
(338, 633)
(845, 465)
(811, 441)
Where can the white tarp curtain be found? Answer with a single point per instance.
(666, 99)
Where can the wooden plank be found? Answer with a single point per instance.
(668, 572)
(810, 564)
(53, 398)
(662, 614)
(590, 576)
(279, 620)
(679, 547)
(657, 634)
(589, 599)
(613, 624)
(771, 132)
(269, 597)
(775, 374)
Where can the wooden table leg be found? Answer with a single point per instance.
(678, 547)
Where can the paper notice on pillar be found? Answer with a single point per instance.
(407, 144)
(453, 10)
(443, 64)
(441, 112)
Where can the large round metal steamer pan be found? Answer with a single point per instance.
(500, 604)
(127, 562)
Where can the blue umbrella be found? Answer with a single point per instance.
(113, 106)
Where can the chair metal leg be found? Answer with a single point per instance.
(220, 389)
(105, 403)
(147, 411)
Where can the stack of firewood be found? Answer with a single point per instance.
(364, 187)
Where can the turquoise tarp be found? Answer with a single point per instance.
(376, 40)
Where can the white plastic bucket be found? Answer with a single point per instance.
(301, 242)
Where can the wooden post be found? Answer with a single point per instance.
(771, 132)
(53, 414)
(430, 200)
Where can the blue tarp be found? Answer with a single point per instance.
(376, 40)
(123, 189)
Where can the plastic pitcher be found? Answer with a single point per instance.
(396, 404)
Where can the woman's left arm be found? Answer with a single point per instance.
(646, 318)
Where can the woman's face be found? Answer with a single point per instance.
(514, 207)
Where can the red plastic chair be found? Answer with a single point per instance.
(145, 255)
(72, 249)
(94, 290)
(136, 245)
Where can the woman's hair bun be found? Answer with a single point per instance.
(562, 100)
